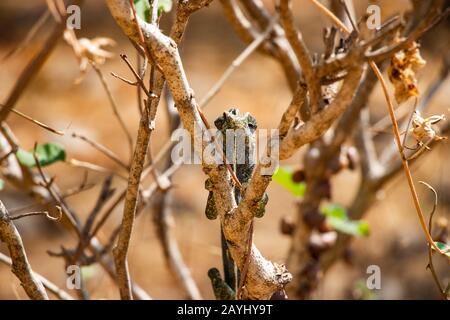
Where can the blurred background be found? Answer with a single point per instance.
(396, 243)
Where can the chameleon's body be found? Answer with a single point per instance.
(238, 156)
(243, 124)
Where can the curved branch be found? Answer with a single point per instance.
(20, 265)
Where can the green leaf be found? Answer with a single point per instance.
(46, 153)
(283, 176)
(89, 272)
(443, 247)
(142, 9)
(338, 219)
(164, 6)
(2, 184)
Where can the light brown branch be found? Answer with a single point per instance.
(20, 265)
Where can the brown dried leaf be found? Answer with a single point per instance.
(88, 50)
(422, 128)
(402, 72)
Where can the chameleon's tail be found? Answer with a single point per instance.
(231, 274)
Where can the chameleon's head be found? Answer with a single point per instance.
(233, 119)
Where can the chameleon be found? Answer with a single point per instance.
(246, 124)
(245, 127)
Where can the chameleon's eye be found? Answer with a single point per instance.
(234, 111)
(252, 122)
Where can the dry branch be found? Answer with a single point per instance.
(20, 265)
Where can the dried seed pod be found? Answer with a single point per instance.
(318, 243)
(348, 256)
(312, 157)
(339, 161)
(287, 225)
(313, 218)
(353, 157)
(298, 176)
(325, 227)
(323, 189)
(402, 72)
(441, 230)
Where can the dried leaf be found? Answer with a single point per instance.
(402, 72)
(88, 50)
(422, 128)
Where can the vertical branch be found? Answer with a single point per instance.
(20, 265)
(120, 251)
(295, 38)
(114, 107)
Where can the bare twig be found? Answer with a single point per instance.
(20, 265)
(37, 213)
(390, 106)
(40, 124)
(430, 249)
(107, 152)
(236, 63)
(301, 51)
(114, 107)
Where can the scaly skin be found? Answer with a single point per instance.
(245, 126)
(239, 154)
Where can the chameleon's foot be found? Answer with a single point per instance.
(210, 210)
(261, 209)
(222, 290)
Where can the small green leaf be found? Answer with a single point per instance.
(338, 219)
(89, 272)
(164, 6)
(283, 176)
(443, 247)
(2, 184)
(362, 292)
(46, 153)
(142, 9)
(336, 211)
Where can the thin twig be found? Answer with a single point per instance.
(40, 124)
(254, 45)
(107, 152)
(37, 213)
(395, 128)
(94, 167)
(430, 249)
(20, 264)
(114, 107)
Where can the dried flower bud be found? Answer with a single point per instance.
(402, 72)
(323, 189)
(422, 128)
(298, 176)
(353, 157)
(313, 218)
(287, 225)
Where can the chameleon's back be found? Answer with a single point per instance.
(239, 140)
